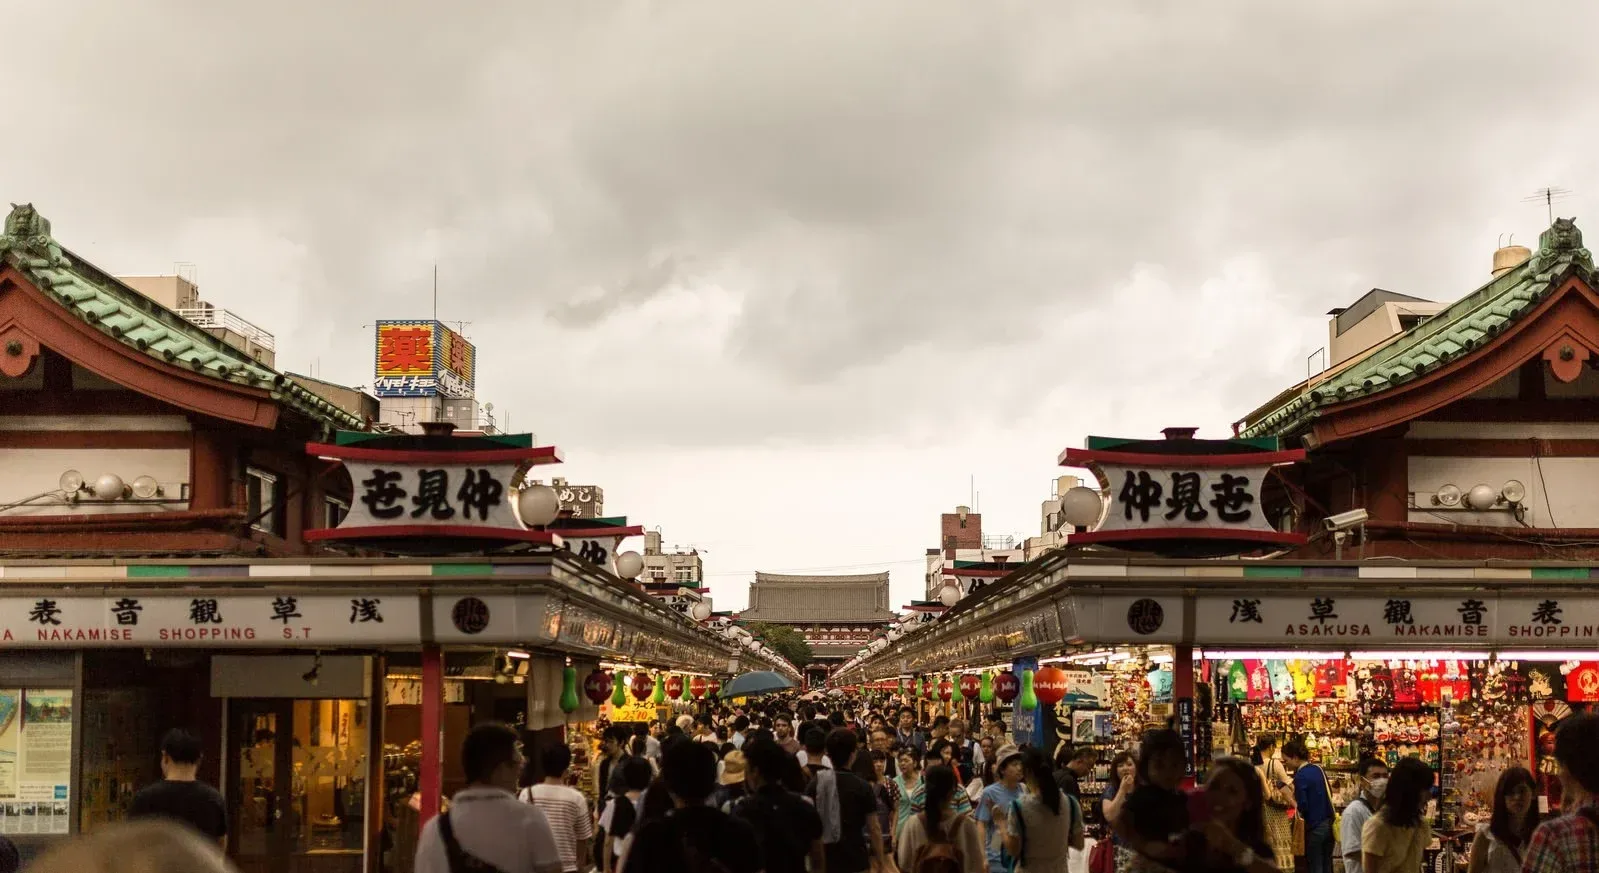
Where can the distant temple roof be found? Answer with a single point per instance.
(775, 597)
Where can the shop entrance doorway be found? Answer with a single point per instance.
(297, 785)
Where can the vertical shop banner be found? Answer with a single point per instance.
(35, 760)
(1027, 725)
(1185, 729)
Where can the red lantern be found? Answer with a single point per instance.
(674, 687)
(643, 686)
(946, 689)
(715, 687)
(1007, 686)
(597, 686)
(970, 686)
(697, 687)
(1049, 685)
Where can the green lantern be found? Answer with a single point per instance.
(901, 684)
(985, 694)
(1028, 700)
(569, 690)
(618, 689)
(660, 689)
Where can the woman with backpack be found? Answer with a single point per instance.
(1044, 824)
(938, 839)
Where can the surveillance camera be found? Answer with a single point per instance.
(1346, 520)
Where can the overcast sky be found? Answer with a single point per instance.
(783, 277)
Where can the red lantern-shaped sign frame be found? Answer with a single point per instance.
(946, 689)
(697, 687)
(1049, 685)
(715, 687)
(674, 687)
(970, 686)
(643, 686)
(1007, 686)
(597, 686)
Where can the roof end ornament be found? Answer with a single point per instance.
(27, 233)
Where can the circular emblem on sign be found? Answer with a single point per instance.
(470, 615)
(1145, 616)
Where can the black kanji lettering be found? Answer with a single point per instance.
(1140, 493)
(383, 494)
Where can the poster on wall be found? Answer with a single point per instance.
(35, 760)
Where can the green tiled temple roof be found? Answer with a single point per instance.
(1463, 327)
(143, 324)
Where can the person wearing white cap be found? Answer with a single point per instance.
(995, 804)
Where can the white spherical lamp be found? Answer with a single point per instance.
(1081, 507)
(701, 610)
(1482, 497)
(629, 565)
(109, 487)
(538, 505)
(950, 594)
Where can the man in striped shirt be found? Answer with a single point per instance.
(565, 808)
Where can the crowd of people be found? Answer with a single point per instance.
(780, 786)
(785, 787)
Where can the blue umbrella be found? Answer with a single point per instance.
(759, 682)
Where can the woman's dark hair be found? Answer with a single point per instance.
(638, 746)
(936, 750)
(863, 767)
(1036, 767)
(1513, 833)
(938, 783)
(636, 775)
(1116, 762)
(1252, 821)
(1163, 741)
(1296, 749)
(1257, 755)
(1409, 783)
(1575, 741)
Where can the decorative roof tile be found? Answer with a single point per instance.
(1453, 333)
(141, 323)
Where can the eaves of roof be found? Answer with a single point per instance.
(1466, 325)
(144, 325)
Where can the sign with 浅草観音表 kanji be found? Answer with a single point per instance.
(355, 618)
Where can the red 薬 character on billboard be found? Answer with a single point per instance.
(404, 350)
(457, 355)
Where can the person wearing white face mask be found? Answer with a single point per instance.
(1373, 783)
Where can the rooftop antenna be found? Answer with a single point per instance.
(1547, 196)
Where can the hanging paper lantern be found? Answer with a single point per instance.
(1029, 699)
(946, 689)
(569, 690)
(643, 686)
(985, 694)
(1049, 685)
(1007, 686)
(618, 691)
(597, 686)
(970, 686)
(928, 687)
(674, 687)
(660, 689)
(901, 683)
(715, 687)
(697, 686)
(916, 687)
